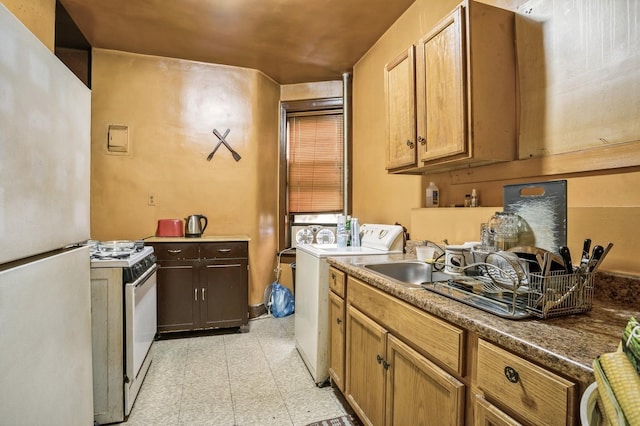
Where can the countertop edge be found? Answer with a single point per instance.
(204, 239)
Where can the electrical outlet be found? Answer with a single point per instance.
(151, 200)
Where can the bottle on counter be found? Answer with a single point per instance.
(341, 231)
(433, 195)
(348, 229)
(355, 232)
(467, 200)
(474, 198)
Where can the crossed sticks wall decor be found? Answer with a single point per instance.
(222, 140)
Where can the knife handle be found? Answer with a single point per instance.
(595, 257)
(585, 251)
(566, 257)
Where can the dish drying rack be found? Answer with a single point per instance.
(505, 279)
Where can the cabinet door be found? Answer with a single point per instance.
(365, 351)
(224, 293)
(336, 340)
(441, 90)
(418, 391)
(489, 415)
(178, 299)
(399, 86)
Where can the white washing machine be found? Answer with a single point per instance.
(312, 291)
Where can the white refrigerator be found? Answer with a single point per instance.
(45, 295)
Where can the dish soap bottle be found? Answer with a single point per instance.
(474, 198)
(433, 195)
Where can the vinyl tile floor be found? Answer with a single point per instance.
(253, 378)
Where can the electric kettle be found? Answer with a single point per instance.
(193, 227)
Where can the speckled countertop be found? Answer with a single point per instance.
(566, 344)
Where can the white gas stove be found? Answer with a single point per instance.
(124, 325)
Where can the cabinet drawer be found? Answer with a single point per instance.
(336, 281)
(538, 395)
(175, 251)
(223, 250)
(431, 336)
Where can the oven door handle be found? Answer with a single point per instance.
(143, 278)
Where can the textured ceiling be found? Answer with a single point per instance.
(292, 41)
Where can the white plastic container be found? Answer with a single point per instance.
(342, 231)
(355, 232)
(433, 195)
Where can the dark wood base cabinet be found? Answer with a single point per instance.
(202, 285)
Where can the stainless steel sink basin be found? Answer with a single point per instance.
(414, 274)
(411, 273)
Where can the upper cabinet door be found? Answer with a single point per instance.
(465, 94)
(399, 84)
(441, 90)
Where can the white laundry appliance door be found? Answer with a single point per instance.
(312, 313)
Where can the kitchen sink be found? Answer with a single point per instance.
(414, 274)
(408, 273)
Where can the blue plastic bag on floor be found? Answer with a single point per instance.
(282, 302)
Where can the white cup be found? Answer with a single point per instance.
(425, 252)
(454, 259)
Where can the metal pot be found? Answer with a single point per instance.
(193, 225)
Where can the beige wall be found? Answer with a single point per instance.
(387, 198)
(171, 108)
(37, 15)
(317, 90)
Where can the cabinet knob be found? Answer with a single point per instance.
(333, 276)
(195, 294)
(225, 250)
(511, 374)
(422, 140)
(379, 359)
(385, 365)
(409, 143)
(203, 293)
(174, 251)
(338, 320)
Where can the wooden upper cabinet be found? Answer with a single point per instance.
(441, 90)
(399, 85)
(465, 93)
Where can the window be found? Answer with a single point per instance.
(315, 162)
(312, 172)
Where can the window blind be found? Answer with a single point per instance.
(315, 162)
